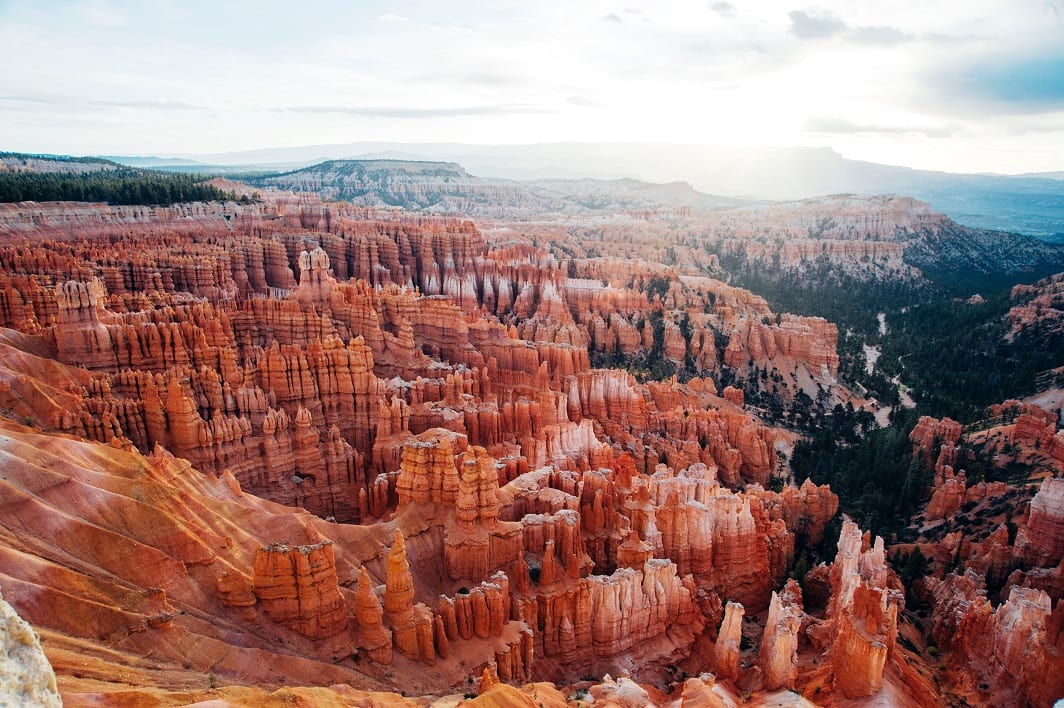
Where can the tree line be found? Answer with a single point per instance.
(121, 186)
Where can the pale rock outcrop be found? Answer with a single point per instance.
(26, 677)
(622, 692)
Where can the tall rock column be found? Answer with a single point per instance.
(479, 543)
(726, 651)
(864, 615)
(374, 639)
(1041, 543)
(315, 283)
(779, 643)
(399, 599)
(182, 415)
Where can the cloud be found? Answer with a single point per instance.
(71, 101)
(947, 39)
(99, 14)
(43, 100)
(415, 113)
(614, 18)
(489, 79)
(151, 105)
(818, 25)
(393, 18)
(635, 14)
(723, 8)
(832, 125)
(824, 25)
(878, 36)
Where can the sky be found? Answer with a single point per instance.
(973, 86)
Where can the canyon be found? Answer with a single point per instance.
(306, 450)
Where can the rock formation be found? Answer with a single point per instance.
(950, 491)
(297, 586)
(779, 642)
(862, 615)
(1038, 305)
(726, 650)
(399, 599)
(26, 677)
(1015, 649)
(374, 639)
(930, 434)
(806, 510)
(1042, 541)
(725, 539)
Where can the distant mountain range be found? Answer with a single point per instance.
(446, 187)
(153, 162)
(1031, 204)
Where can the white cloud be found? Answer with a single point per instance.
(686, 71)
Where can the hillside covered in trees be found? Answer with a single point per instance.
(41, 178)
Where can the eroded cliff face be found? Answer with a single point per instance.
(865, 238)
(297, 587)
(227, 566)
(991, 525)
(823, 240)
